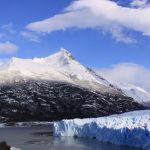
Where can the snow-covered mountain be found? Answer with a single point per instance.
(137, 93)
(60, 66)
(57, 87)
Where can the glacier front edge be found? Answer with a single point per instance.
(132, 128)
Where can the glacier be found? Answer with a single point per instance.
(132, 128)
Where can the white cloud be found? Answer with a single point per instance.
(139, 3)
(8, 48)
(128, 73)
(7, 31)
(8, 28)
(104, 14)
(119, 34)
(30, 36)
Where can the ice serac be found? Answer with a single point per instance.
(132, 129)
(57, 87)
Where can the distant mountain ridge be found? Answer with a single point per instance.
(134, 90)
(139, 94)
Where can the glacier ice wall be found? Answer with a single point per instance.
(132, 129)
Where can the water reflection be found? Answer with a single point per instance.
(88, 144)
(40, 138)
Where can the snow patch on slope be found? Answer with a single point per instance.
(132, 128)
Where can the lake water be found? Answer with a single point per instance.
(41, 138)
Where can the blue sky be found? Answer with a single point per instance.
(93, 42)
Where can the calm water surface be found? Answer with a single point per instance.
(40, 138)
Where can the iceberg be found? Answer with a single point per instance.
(132, 128)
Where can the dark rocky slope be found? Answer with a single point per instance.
(48, 101)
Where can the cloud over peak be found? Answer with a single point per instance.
(127, 73)
(103, 14)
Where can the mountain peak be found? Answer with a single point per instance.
(62, 55)
(63, 50)
(66, 53)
